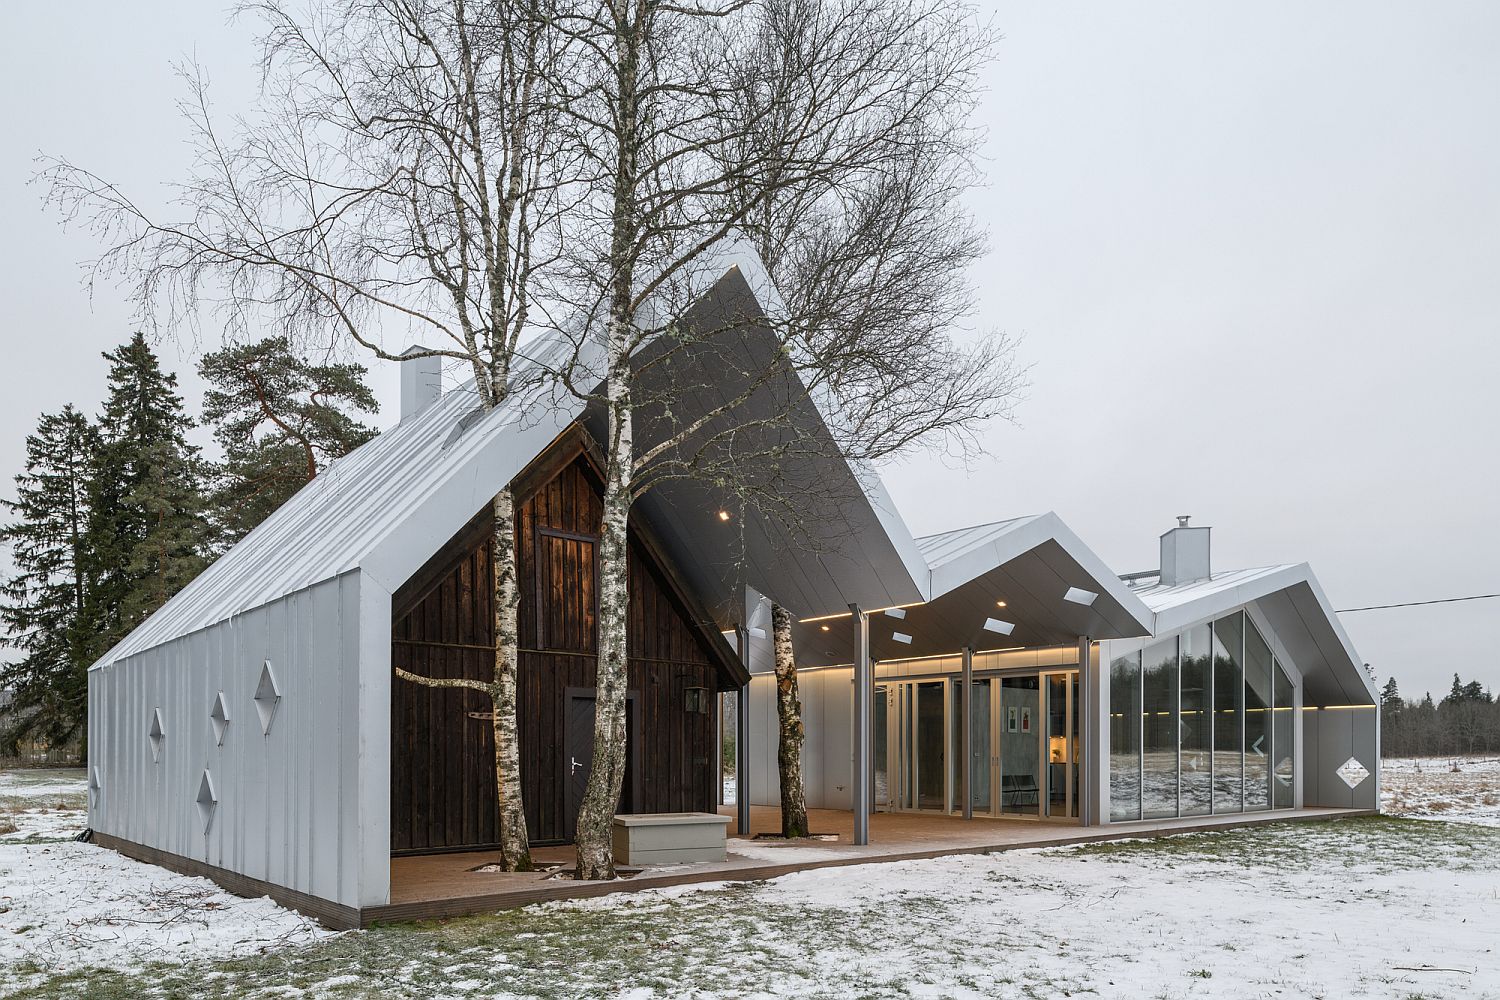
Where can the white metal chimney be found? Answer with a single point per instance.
(421, 380)
(1184, 553)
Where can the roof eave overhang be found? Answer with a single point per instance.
(1133, 618)
(1293, 602)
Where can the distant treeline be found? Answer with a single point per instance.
(1466, 721)
(113, 515)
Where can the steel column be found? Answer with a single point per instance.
(864, 699)
(966, 727)
(1088, 732)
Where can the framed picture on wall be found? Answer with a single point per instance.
(1011, 725)
(1025, 720)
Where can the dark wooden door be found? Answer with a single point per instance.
(579, 756)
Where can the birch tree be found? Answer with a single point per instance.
(791, 732)
(395, 178)
(780, 121)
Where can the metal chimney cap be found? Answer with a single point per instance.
(1182, 520)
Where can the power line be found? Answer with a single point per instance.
(1413, 604)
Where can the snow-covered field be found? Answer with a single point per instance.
(42, 803)
(1466, 789)
(1369, 907)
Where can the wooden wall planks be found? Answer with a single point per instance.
(442, 771)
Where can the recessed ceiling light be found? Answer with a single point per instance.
(901, 637)
(825, 628)
(723, 515)
(999, 604)
(996, 625)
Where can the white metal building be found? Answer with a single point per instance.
(244, 731)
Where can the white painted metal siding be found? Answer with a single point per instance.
(292, 806)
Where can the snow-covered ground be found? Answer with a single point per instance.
(1371, 907)
(66, 906)
(1466, 789)
(42, 803)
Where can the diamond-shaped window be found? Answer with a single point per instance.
(1353, 772)
(219, 716)
(267, 697)
(157, 735)
(208, 800)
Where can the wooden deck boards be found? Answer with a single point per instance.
(444, 885)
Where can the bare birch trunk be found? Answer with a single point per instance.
(607, 774)
(789, 711)
(611, 755)
(515, 848)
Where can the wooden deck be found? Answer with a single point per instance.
(445, 885)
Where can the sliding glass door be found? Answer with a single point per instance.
(911, 746)
(1025, 750)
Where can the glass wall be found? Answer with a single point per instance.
(1283, 748)
(1258, 699)
(1197, 722)
(1229, 720)
(1125, 737)
(978, 762)
(932, 788)
(1201, 722)
(1159, 730)
(1020, 760)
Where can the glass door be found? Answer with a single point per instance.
(982, 749)
(882, 746)
(1062, 765)
(912, 735)
(1019, 726)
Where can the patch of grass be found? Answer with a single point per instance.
(1379, 843)
(748, 938)
(732, 936)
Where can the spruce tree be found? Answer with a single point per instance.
(280, 420)
(147, 534)
(42, 604)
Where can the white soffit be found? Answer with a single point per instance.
(957, 558)
(1298, 611)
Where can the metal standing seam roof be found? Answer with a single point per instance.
(1293, 600)
(1161, 597)
(387, 506)
(945, 546)
(342, 518)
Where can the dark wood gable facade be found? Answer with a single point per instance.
(442, 746)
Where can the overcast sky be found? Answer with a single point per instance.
(1253, 250)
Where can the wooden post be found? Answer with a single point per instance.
(742, 740)
(864, 690)
(966, 727)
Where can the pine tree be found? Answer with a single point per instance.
(147, 535)
(280, 420)
(42, 604)
(1392, 715)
